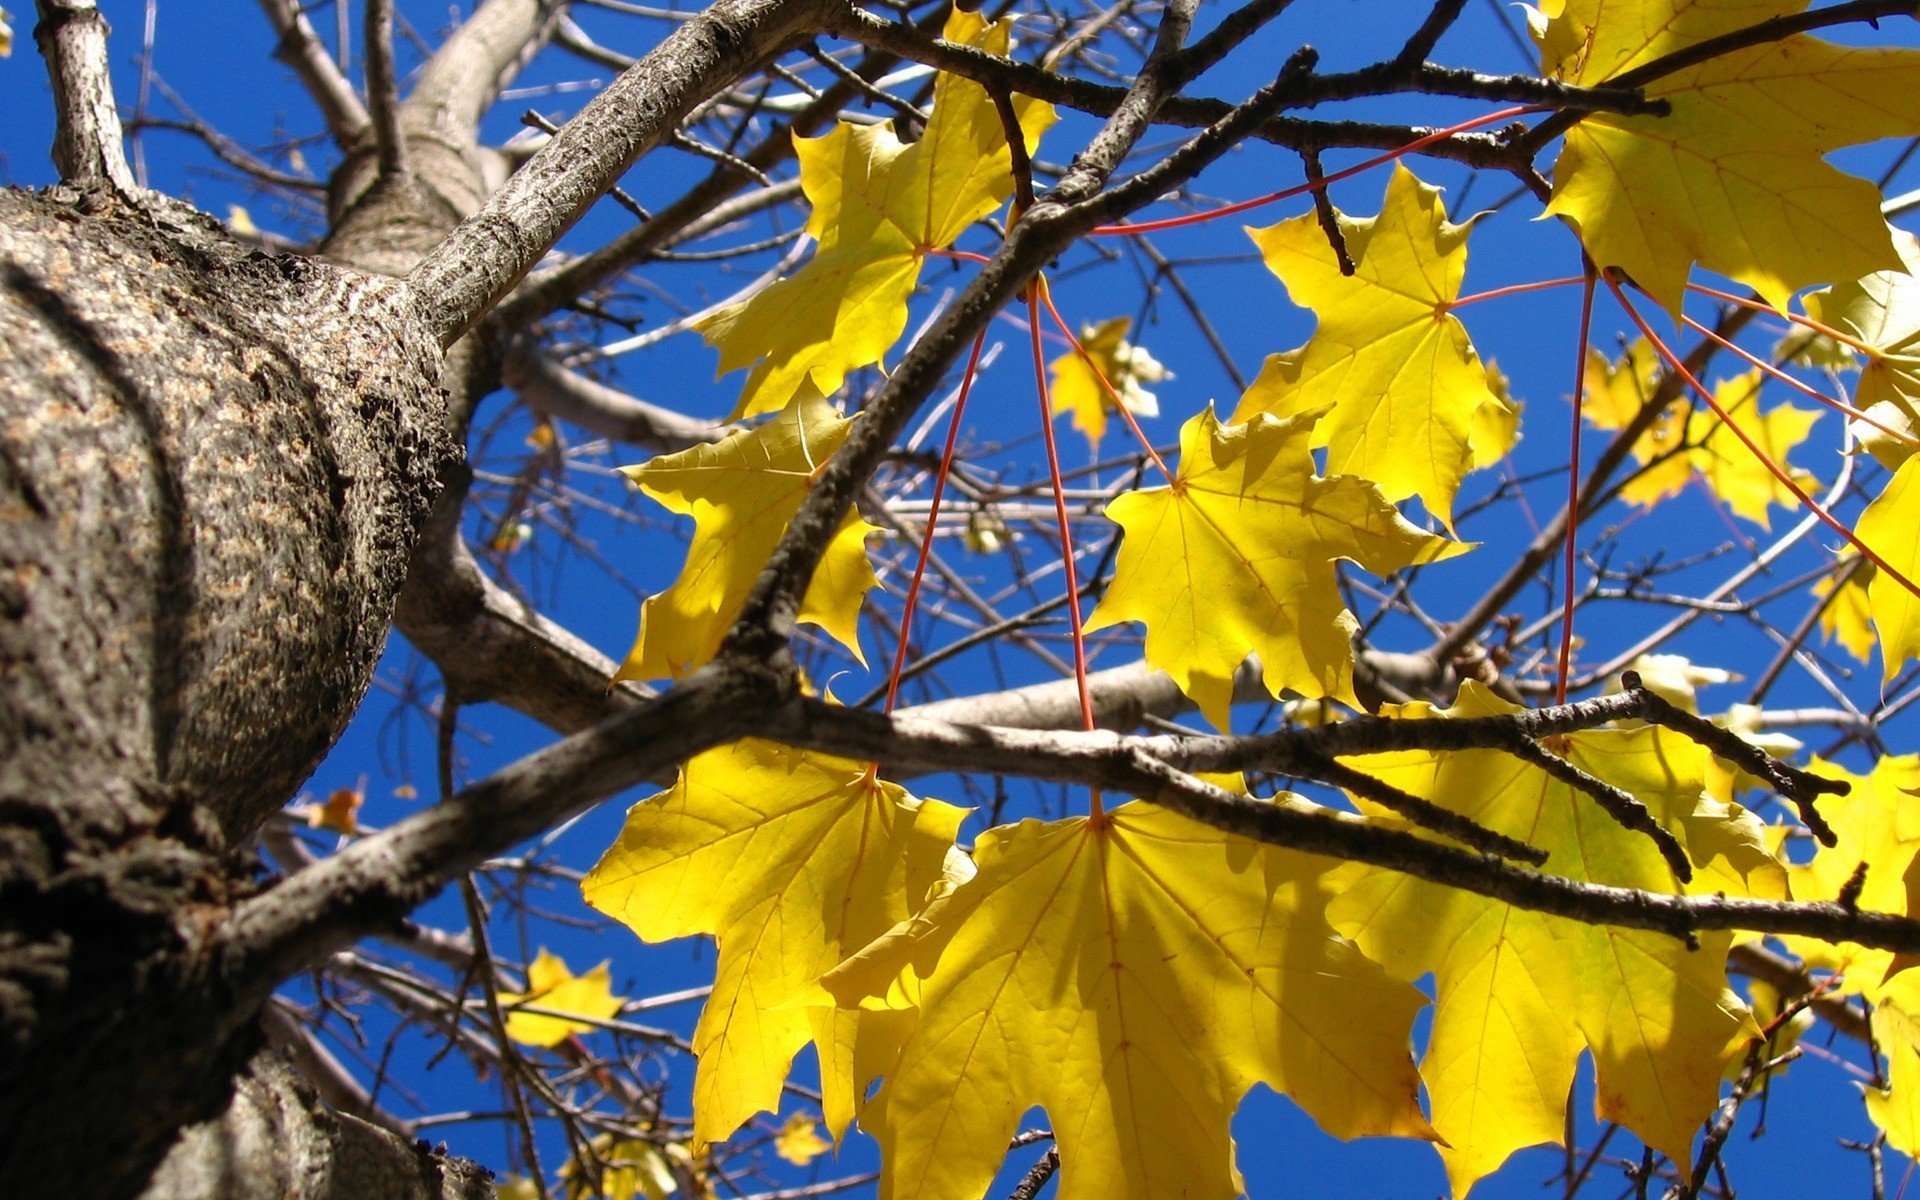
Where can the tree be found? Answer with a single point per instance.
(230, 466)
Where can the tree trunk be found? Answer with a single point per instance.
(213, 465)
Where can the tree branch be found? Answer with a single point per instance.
(87, 149)
(459, 280)
(300, 48)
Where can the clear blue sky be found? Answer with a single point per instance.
(216, 59)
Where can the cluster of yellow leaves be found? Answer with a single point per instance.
(552, 987)
(623, 1169)
(1877, 823)
(741, 493)
(1238, 555)
(1684, 443)
(1134, 976)
(1393, 371)
(878, 207)
(1520, 994)
(1127, 368)
(1734, 177)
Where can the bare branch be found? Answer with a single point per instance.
(458, 281)
(87, 149)
(300, 48)
(383, 91)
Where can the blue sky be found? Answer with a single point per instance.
(215, 58)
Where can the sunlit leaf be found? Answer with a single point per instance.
(1393, 367)
(1519, 994)
(1735, 177)
(1134, 977)
(878, 206)
(1237, 557)
(793, 861)
(550, 985)
(741, 493)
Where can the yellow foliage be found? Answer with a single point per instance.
(1135, 976)
(1076, 388)
(1734, 178)
(1237, 557)
(1887, 528)
(1883, 311)
(1703, 447)
(1848, 617)
(799, 1140)
(1877, 822)
(741, 493)
(792, 860)
(1393, 369)
(878, 206)
(1520, 994)
(550, 985)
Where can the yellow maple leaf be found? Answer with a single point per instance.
(1391, 365)
(630, 1169)
(878, 206)
(741, 493)
(1495, 429)
(1887, 528)
(1077, 389)
(1848, 617)
(1520, 994)
(1734, 177)
(799, 1140)
(1896, 1031)
(1702, 447)
(1237, 557)
(1135, 976)
(550, 985)
(1878, 823)
(791, 860)
(1882, 310)
(1614, 392)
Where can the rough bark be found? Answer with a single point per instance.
(212, 466)
(278, 1141)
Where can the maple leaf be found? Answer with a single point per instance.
(1614, 392)
(1519, 994)
(1848, 617)
(1876, 823)
(630, 1169)
(1135, 975)
(1882, 310)
(1704, 448)
(1077, 389)
(1237, 556)
(1887, 527)
(1393, 367)
(550, 985)
(741, 493)
(1733, 177)
(878, 206)
(792, 860)
(799, 1140)
(1495, 429)
(1896, 1032)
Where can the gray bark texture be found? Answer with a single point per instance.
(212, 467)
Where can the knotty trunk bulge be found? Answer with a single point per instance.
(213, 464)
